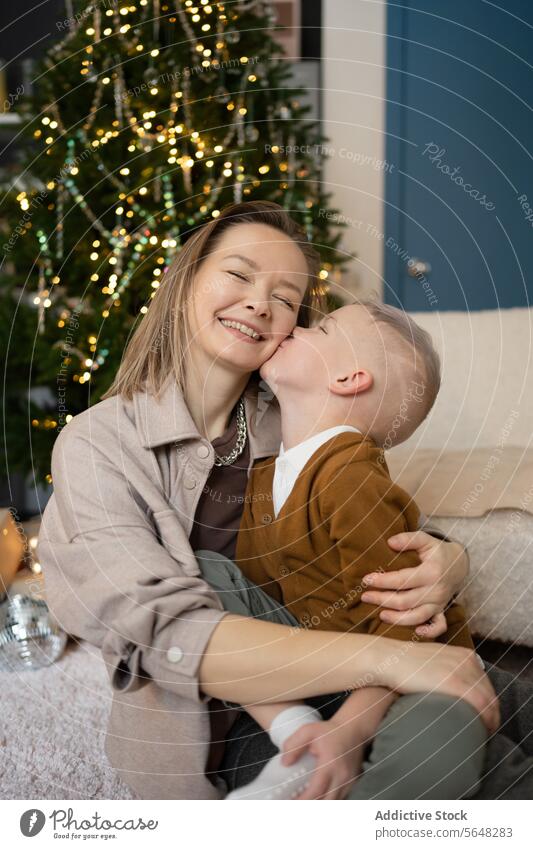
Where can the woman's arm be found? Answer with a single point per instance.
(247, 660)
(420, 594)
(110, 581)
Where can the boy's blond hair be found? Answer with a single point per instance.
(424, 358)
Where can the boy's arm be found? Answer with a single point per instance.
(360, 715)
(363, 507)
(339, 744)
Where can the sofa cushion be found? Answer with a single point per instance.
(487, 374)
(484, 499)
(498, 594)
(465, 483)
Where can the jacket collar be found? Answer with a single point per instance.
(168, 419)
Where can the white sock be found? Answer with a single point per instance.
(276, 781)
(290, 720)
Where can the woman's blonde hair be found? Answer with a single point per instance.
(157, 347)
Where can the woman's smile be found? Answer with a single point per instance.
(242, 330)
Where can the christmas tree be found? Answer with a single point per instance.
(145, 121)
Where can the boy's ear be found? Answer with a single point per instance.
(354, 383)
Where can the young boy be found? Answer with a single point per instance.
(316, 521)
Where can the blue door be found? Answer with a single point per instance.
(459, 187)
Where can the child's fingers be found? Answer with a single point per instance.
(335, 793)
(340, 784)
(317, 787)
(295, 745)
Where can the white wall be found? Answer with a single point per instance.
(353, 50)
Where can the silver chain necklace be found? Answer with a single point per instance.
(242, 433)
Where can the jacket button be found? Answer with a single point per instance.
(189, 483)
(174, 654)
(284, 572)
(203, 451)
(267, 518)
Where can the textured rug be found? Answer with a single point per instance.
(52, 730)
(53, 723)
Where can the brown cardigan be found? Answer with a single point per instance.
(331, 531)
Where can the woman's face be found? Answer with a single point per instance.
(246, 296)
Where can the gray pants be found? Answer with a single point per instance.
(428, 745)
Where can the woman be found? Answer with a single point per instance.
(158, 469)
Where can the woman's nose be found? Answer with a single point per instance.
(261, 308)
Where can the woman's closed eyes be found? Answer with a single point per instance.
(246, 280)
(240, 276)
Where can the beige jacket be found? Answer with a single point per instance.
(120, 572)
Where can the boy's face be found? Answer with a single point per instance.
(336, 346)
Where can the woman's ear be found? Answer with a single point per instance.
(353, 383)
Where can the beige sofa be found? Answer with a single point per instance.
(470, 464)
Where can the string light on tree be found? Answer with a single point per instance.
(148, 118)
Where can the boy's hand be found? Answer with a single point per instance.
(338, 753)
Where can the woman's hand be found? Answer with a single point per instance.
(339, 758)
(433, 667)
(418, 595)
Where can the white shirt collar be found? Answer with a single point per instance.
(290, 463)
(299, 454)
